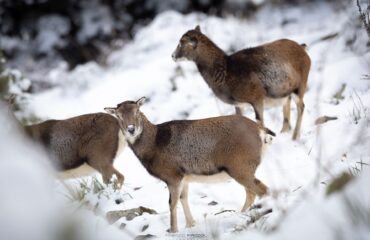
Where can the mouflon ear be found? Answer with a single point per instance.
(197, 28)
(110, 110)
(141, 101)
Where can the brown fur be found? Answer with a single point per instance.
(173, 151)
(273, 70)
(92, 139)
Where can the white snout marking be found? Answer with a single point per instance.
(132, 138)
(177, 59)
(182, 59)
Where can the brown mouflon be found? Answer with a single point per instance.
(79, 143)
(179, 152)
(258, 75)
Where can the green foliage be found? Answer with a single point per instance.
(2, 61)
(338, 96)
(4, 86)
(4, 78)
(16, 102)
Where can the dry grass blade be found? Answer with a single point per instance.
(223, 211)
(324, 119)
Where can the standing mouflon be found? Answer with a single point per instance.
(255, 75)
(179, 152)
(93, 139)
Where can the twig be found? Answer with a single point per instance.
(329, 36)
(259, 215)
(297, 189)
(324, 119)
(223, 211)
(362, 163)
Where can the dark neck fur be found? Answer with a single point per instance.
(211, 62)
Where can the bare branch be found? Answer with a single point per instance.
(365, 16)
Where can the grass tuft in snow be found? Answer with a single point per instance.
(91, 187)
(359, 111)
(338, 96)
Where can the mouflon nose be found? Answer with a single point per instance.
(131, 129)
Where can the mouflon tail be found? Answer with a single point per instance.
(269, 132)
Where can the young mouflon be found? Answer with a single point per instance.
(258, 75)
(183, 151)
(81, 144)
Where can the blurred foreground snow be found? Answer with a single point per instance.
(26, 206)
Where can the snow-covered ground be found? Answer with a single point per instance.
(297, 172)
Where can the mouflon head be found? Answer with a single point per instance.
(129, 118)
(188, 45)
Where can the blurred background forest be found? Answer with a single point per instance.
(36, 35)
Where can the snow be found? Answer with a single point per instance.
(51, 29)
(297, 172)
(329, 218)
(25, 185)
(96, 19)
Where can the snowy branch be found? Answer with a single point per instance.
(365, 16)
